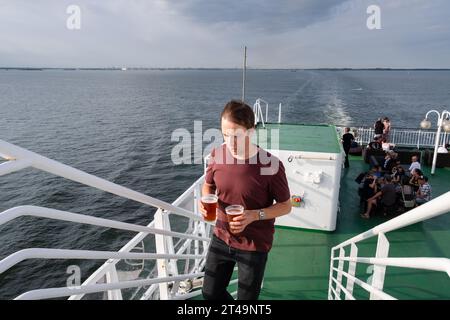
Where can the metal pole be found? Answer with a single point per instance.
(436, 144)
(243, 74)
(279, 113)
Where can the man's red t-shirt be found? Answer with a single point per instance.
(255, 184)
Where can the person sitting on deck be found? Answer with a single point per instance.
(375, 144)
(414, 181)
(414, 164)
(398, 173)
(386, 197)
(386, 146)
(389, 161)
(367, 189)
(376, 171)
(424, 192)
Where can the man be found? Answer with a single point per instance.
(414, 164)
(424, 192)
(347, 140)
(387, 197)
(245, 178)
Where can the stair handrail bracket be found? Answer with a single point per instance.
(436, 207)
(166, 256)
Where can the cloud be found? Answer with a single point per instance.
(206, 33)
(265, 16)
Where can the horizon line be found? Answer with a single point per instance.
(213, 68)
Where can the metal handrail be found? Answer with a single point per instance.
(41, 212)
(14, 153)
(431, 209)
(81, 290)
(433, 264)
(102, 270)
(46, 253)
(403, 137)
(19, 158)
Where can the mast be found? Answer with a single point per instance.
(244, 69)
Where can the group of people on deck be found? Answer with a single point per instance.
(388, 185)
(382, 127)
(384, 189)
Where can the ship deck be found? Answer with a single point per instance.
(299, 262)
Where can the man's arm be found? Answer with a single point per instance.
(276, 210)
(208, 189)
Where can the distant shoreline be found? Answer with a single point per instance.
(207, 69)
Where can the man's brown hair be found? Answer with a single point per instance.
(240, 113)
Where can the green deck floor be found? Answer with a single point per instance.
(299, 262)
(309, 138)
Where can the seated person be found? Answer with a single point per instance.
(367, 187)
(414, 164)
(414, 180)
(386, 197)
(389, 161)
(386, 146)
(424, 192)
(375, 144)
(376, 171)
(397, 174)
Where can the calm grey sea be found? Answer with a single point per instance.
(117, 125)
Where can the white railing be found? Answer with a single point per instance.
(348, 251)
(257, 110)
(399, 137)
(166, 258)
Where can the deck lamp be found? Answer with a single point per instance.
(446, 126)
(425, 124)
(443, 123)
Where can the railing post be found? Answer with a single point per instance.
(330, 282)
(112, 277)
(340, 268)
(172, 264)
(378, 270)
(351, 269)
(418, 140)
(162, 264)
(279, 113)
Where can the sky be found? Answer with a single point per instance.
(212, 33)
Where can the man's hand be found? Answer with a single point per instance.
(242, 221)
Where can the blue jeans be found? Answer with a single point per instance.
(219, 267)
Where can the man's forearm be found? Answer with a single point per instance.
(276, 210)
(208, 189)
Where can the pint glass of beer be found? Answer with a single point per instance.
(209, 201)
(232, 212)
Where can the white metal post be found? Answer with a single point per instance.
(351, 269)
(340, 268)
(379, 270)
(279, 113)
(436, 145)
(112, 277)
(161, 249)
